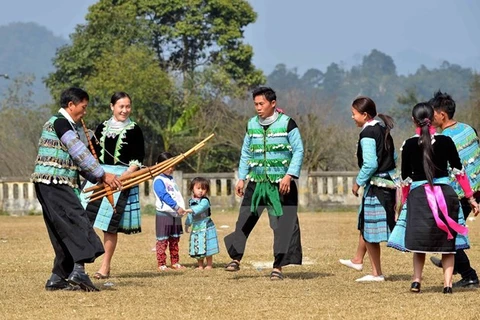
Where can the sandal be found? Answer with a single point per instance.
(177, 266)
(233, 266)
(163, 268)
(100, 276)
(276, 275)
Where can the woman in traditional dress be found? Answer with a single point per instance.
(376, 159)
(119, 145)
(431, 220)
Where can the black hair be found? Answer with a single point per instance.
(205, 183)
(442, 101)
(73, 94)
(267, 92)
(422, 114)
(365, 104)
(119, 95)
(164, 156)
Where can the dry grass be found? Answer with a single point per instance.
(321, 289)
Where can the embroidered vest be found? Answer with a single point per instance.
(467, 143)
(172, 189)
(271, 150)
(53, 163)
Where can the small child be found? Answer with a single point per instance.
(203, 237)
(169, 211)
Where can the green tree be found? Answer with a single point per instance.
(184, 37)
(378, 64)
(312, 78)
(333, 79)
(403, 113)
(282, 78)
(472, 110)
(150, 87)
(20, 126)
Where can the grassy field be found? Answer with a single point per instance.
(320, 289)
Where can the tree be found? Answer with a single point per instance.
(312, 78)
(378, 64)
(151, 89)
(472, 110)
(184, 34)
(448, 77)
(20, 124)
(333, 79)
(216, 114)
(403, 113)
(179, 39)
(282, 78)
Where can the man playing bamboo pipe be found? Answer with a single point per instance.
(62, 156)
(272, 155)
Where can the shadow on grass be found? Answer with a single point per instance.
(288, 275)
(399, 277)
(149, 274)
(434, 289)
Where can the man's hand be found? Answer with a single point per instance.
(111, 180)
(284, 185)
(355, 189)
(239, 188)
(475, 207)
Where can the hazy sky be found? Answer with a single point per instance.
(314, 33)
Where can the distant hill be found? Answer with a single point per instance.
(28, 48)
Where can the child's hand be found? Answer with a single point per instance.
(181, 212)
(188, 211)
(186, 229)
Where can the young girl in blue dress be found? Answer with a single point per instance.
(203, 236)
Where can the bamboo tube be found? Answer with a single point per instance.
(152, 168)
(130, 183)
(90, 145)
(141, 172)
(149, 174)
(99, 191)
(127, 183)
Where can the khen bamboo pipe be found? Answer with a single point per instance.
(144, 174)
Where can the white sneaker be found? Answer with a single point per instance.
(350, 264)
(370, 277)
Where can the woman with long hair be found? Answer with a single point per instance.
(431, 220)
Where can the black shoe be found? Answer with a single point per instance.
(447, 290)
(81, 279)
(60, 284)
(467, 283)
(415, 287)
(438, 263)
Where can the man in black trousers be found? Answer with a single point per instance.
(467, 143)
(62, 156)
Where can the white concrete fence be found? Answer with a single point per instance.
(316, 190)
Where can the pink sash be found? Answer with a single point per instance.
(434, 196)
